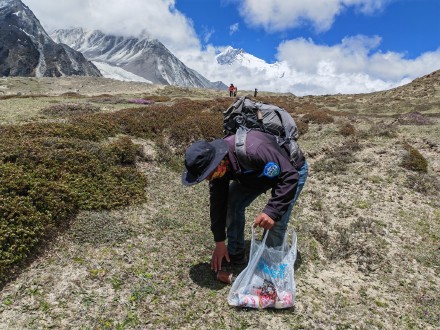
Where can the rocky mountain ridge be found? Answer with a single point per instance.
(27, 50)
(142, 56)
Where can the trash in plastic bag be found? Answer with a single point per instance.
(268, 280)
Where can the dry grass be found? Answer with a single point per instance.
(367, 232)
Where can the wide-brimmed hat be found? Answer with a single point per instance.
(201, 159)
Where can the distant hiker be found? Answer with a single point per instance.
(235, 91)
(231, 89)
(255, 92)
(233, 187)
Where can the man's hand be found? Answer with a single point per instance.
(264, 221)
(220, 252)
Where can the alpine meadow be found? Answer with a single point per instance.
(97, 231)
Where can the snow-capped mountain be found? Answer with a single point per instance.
(27, 50)
(144, 57)
(238, 57)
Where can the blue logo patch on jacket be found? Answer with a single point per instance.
(271, 170)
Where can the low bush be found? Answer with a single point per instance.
(70, 109)
(48, 172)
(413, 118)
(20, 96)
(23, 134)
(347, 129)
(123, 151)
(157, 98)
(147, 122)
(15, 180)
(318, 117)
(140, 101)
(413, 160)
(206, 126)
(107, 99)
(303, 127)
(221, 104)
(73, 95)
(22, 227)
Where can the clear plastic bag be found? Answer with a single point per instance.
(268, 280)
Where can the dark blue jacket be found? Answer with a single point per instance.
(261, 148)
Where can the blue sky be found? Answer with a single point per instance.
(411, 27)
(310, 46)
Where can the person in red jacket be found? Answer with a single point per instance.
(231, 90)
(232, 189)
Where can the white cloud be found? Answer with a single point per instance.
(234, 28)
(278, 15)
(355, 55)
(352, 66)
(207, 34)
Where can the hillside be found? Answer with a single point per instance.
(368, 220)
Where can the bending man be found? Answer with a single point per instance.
(233, 188)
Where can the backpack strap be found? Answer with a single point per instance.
(240, 148)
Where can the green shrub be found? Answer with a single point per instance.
(103, 125)
(318, 117)
(115, 187)
(23, 133)
(55, 199)
(123, 151)
(413, 160)
(303, 127)
(70, 109)
(221, 104)
(14, 180)
(147, 122)
(207, 126)
(347, 129)
(73, 95)
(19, 96)
(21, 229)
(157, 98)
(48, 172)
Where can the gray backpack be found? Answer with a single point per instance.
(245, 114)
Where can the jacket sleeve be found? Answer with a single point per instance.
(218, 199)
(284, 189)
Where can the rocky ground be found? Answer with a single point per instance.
(368, 229)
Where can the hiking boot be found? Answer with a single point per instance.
(238, 259)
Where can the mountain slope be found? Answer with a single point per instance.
(27, 50)
(144, 57)
(367, 227)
